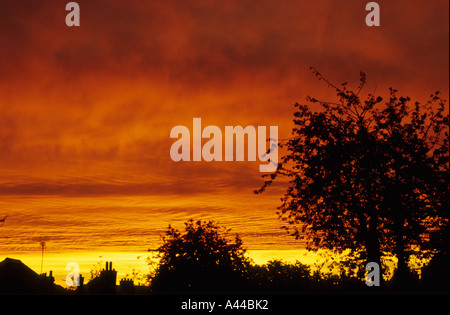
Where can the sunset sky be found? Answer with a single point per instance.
(86, 112)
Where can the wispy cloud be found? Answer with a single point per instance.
(98, 102)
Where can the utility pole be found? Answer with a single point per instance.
(42, 259)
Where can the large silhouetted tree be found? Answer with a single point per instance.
(366, 174)
(202, 260)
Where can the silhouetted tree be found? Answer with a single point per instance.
(367, 176)
(201, 260)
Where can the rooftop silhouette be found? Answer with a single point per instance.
(17, 278)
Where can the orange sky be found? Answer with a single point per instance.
(88, 111)
(94, 105)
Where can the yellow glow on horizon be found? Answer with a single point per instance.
(125, 262)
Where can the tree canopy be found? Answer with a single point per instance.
(367, 175)
(201, 259)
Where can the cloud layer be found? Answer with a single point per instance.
(81, 107)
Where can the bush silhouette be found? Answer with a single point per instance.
(279, 277)
(201, 260)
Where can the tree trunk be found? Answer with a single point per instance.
(374, 253)
(372, 243)
(402, 272)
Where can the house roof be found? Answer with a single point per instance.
(18, 278)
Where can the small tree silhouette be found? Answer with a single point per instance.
(202, 260)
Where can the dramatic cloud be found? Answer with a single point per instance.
(95, 104)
